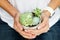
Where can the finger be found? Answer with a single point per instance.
(32, 31)
(47, 28)
(24, 34)
(28, 35)
(20, 26)
(40, 31)
(15, 27)
(41, 25)
(44, 30)
(17, 22)
(19, 31)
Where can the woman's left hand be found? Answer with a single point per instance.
(42, 27)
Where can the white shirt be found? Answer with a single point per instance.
(28, 5)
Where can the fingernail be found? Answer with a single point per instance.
(26, 31)
(33, 37)
(38, 28)
(21, 29)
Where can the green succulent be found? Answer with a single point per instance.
(26, 18)
(35, 20)
(37, 12)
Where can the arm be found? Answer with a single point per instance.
(53, 4)
(14, 13)
(8, 7)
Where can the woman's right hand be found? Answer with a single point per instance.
(11, 10)
(18, 27)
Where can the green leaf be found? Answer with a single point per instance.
(37, 12)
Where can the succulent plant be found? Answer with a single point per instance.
(27, 19)
(35, 20)
(37, 12)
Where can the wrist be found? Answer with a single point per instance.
(49, 10)
(17, 15)
(47, 13)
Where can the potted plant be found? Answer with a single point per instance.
(30, 20)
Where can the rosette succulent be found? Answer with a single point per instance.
(26, 19)
(37, 12)
(35, 21)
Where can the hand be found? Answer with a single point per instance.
(42, 27)
(18, 27)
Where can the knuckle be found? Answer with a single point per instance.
(46, 30)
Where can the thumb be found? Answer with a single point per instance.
(18, 23)
(19, 26)
(41, 25)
